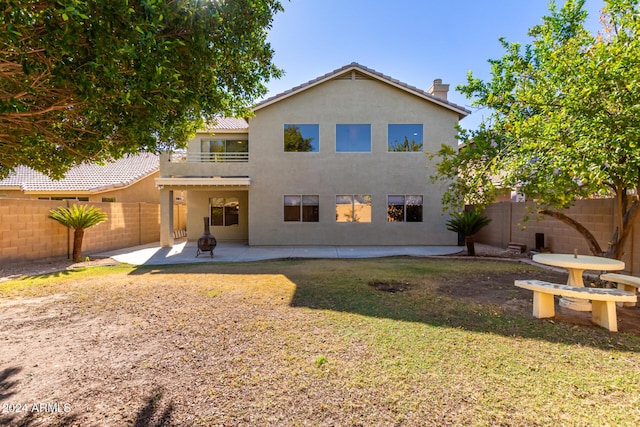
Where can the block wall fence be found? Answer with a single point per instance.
(27, 233)
(598, 216)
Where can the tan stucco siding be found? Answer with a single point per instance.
(327, 173)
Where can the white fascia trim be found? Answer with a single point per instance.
(204, 182)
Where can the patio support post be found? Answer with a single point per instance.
(166, 218)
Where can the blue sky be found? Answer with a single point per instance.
(414, 41)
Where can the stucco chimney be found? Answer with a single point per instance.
(438, 89)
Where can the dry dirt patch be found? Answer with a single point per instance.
(189, 348)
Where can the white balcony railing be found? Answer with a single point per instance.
(209, 157)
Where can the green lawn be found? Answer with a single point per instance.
(311, 342)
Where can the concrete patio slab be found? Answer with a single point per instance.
(185, 252)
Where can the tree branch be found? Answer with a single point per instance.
(594, 246)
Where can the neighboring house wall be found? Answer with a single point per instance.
(597, 216)
(143, 191)
(28, 234)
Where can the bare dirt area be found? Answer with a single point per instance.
(171, 349)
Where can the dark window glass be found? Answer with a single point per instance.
(302, 208)
(225, 212)
(217, 215)
(292, 208)
(310, 208)
(414, 208)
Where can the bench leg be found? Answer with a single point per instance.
(627, 288)
(543, 305)
(604, 314)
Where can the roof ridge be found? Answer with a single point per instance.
(355, 65)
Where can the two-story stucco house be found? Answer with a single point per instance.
(336, 161)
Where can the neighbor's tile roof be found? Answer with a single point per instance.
(463, 112)
(87, 177)
(227, 123)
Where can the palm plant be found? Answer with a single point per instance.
(78, 218)
(468, 223)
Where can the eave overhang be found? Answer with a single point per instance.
(214, 181)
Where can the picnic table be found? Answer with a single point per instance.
(576, 265)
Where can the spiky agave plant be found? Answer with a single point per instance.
(79, 218)
(468, 223)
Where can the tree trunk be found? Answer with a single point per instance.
(471, 247)
(616, 245)
(594, 246)
(618, 239)
(78, 234)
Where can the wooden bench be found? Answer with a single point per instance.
(624, 283)
(603, 301)
(516, 248)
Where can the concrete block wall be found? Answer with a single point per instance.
(28, 234)
(598, 216)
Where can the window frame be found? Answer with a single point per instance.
(405, 207)
(306, 125)
(353, 199)
(311, 201)
(227, 209)
(389, 133)
(339, 132)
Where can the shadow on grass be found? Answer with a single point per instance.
(6, 384)
(154, 413)
(477, 296)
(25, 414)
(340, 285)
(435, 308)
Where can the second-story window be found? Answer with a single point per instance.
(224, 150)
(353, 138)
(404, 138)
(301, 138)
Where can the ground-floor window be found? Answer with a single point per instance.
(302, 208)
(353, 208)
(404, 208)
(225, 211)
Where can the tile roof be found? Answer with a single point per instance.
(227, 123)
(87, 177)
(463, 112)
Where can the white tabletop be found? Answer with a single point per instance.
(582, 262)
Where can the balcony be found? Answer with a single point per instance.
(203, 164)
(209, 157)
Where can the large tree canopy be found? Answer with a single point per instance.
(92, 80)
(564, 122)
